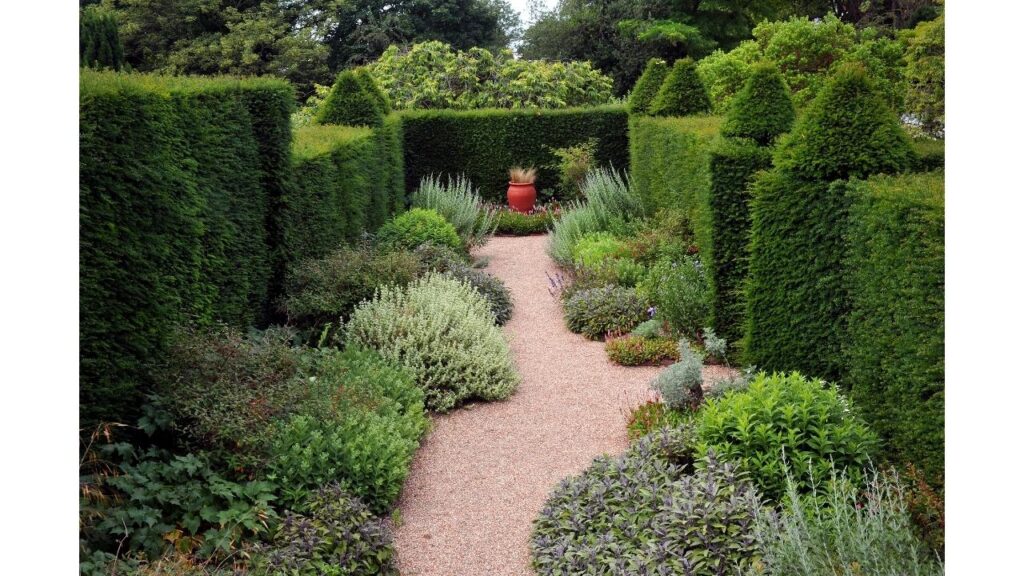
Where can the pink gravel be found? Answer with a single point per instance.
(484, 471)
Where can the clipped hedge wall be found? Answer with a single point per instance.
(733, 165)
(896, 282)
(484, 144)
(177, 180)
(344, 185)
(928, 154)
(670, 166)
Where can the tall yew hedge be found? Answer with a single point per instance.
(896, 281)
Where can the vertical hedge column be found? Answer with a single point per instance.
(896, 325)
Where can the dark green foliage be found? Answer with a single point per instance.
(335, 534)
(647, 86)
(763, 110)
(154, 493)
(484, 144)
(670, 166)
(512, 223)
(369, 83)
(733, 166)
(896, 279)
(682, 93)
(323, 291)
(99, 43)
(929, 154)
(178, 180)
(599, 311)
(785, 420)
(648, 512)
(796, 296)
(417, 227)
(350, 104)
(848, 131)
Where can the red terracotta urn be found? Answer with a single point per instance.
(521, 196)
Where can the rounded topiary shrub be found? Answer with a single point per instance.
(648, 512)
(763, 109)
(682, 93)
(785, 420)
(334, 534)
(442, 330)
(417, 227)
(349, 104)
(647, 86)
(600, 311)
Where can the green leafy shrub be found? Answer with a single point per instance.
(763, 109)
(460, 204)
(845, 528)
(483, 144)
(417, 227)
(896, 277)
(498, 297)
(323, 291)
(443, 331)
(176, 181)
(649, 329)
(652, 416)
(159, 500)
(433, 75)
(513, 223)
(633, 350)
(647, 86)
(335, 535)
(370, 85)
(99, 43)
(350, 104)
(600, 311)
(574, 163)
(926, 75)
(361, 427)
(796, 297)
(725, 73)
(785, 420)
(679, 292)
(682, 93)
(642, 513)
(715, 346)
(594, 247)
(610, 203)
(681, 384)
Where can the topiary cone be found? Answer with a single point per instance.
(646, 88)
(682, 93)
(763, 110)
(349, 104)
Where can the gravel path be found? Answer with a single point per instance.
(484, 471)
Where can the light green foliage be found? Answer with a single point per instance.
(648, 329)
(443, 260)
(99, 44)
(785, 420)
(715, 346)
(648, 512)
(417, 227)
(574, 163)
(443, 331)
(433, 75)
(844, 528)
(647, 86)
(682, 93)
(335, 535)
(763, 109)
(725, 73)
(460, 204)
(895, 345)
(349, 103)
(681, 384)
(597, 312)
(632, 350)
(679, 291)
(926, 75)
(305, 115)
(594, 247)
(804, 50)
(610, 203)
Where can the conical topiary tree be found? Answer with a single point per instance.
(369, 83)
(763, 110)
(682, 93)
(99, 43)
(646, 88)
(348, 103)
(848, 132)
(797, 301)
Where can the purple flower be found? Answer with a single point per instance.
(651, 311)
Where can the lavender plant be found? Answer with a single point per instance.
(681, 384)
